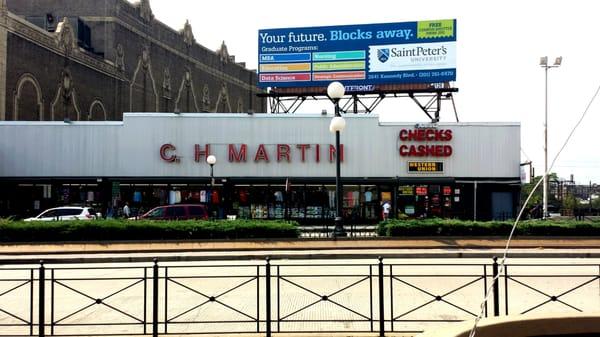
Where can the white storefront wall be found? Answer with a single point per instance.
(132, 148)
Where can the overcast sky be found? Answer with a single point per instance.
(499, 44)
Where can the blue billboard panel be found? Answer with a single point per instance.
(358, 55)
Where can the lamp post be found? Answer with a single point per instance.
(544, 64)
(335, 91)
(211, 160)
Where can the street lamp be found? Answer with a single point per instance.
(211, 160)
(335, 91)
(544, 64)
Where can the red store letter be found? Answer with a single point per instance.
(303, 148)
(199, 153)
(332, 153)
(261, 154)
(237, 156)
(283, 151)
(164, 155)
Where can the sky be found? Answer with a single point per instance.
(499, 44)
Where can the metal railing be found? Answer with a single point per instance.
(170, 297)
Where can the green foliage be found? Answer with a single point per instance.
(570, 202)
(118, 229)
(451, 227)
(537, 197)
(596, 202)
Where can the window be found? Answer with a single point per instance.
(421, 190)
(84, 35)
(48, 214)
(156, 213)
(177, 211)
(68, 211)
(196, 211)
(447, 190)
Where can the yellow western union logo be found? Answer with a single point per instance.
(284, 67)
(425, 166)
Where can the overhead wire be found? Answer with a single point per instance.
(514, 227)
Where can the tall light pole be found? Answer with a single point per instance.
(211, 160)
(544, 64)
(335, 91)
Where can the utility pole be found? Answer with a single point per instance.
(544, 64)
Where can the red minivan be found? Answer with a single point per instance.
(177, 212)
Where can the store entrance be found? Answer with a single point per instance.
(425, 200)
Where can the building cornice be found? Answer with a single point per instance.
(210, 70)
(50, 41)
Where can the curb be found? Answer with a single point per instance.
(170, 246)
(448, 247)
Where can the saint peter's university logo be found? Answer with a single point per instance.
(383, 54)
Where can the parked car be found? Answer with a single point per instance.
(66, 213)
(176, 212)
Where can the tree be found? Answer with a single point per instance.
(570, 203)
(537, 197)
(596, 202)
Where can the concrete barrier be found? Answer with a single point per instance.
(524, 326)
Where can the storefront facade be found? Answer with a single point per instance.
(268, 166)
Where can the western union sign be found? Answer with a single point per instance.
(425, 166)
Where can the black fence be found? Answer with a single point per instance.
(193, 297)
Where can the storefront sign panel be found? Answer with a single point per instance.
(425, 167)
(166, 145)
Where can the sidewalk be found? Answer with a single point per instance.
(351, 281)
(324, 245)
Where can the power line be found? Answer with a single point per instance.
(514, 227)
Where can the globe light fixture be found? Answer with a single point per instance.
(336, 91)
(211, 160)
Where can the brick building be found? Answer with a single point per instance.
(93, 60)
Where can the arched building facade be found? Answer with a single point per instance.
(95, 60)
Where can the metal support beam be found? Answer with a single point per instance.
(451, 98)
(423, 107)
(438, 107)
(366, 102)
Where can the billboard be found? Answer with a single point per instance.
(388, 53)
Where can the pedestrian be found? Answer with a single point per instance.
(126, 210)
(386, 210)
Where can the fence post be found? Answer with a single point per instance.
(155, 298)
(268, 295)
(496, 291)
(381, 309)
(42, 300)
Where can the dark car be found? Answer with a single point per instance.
(177, 212)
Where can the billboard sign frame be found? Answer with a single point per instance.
(358, 55)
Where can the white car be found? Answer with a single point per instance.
(66, 213)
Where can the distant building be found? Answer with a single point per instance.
(94, 60)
